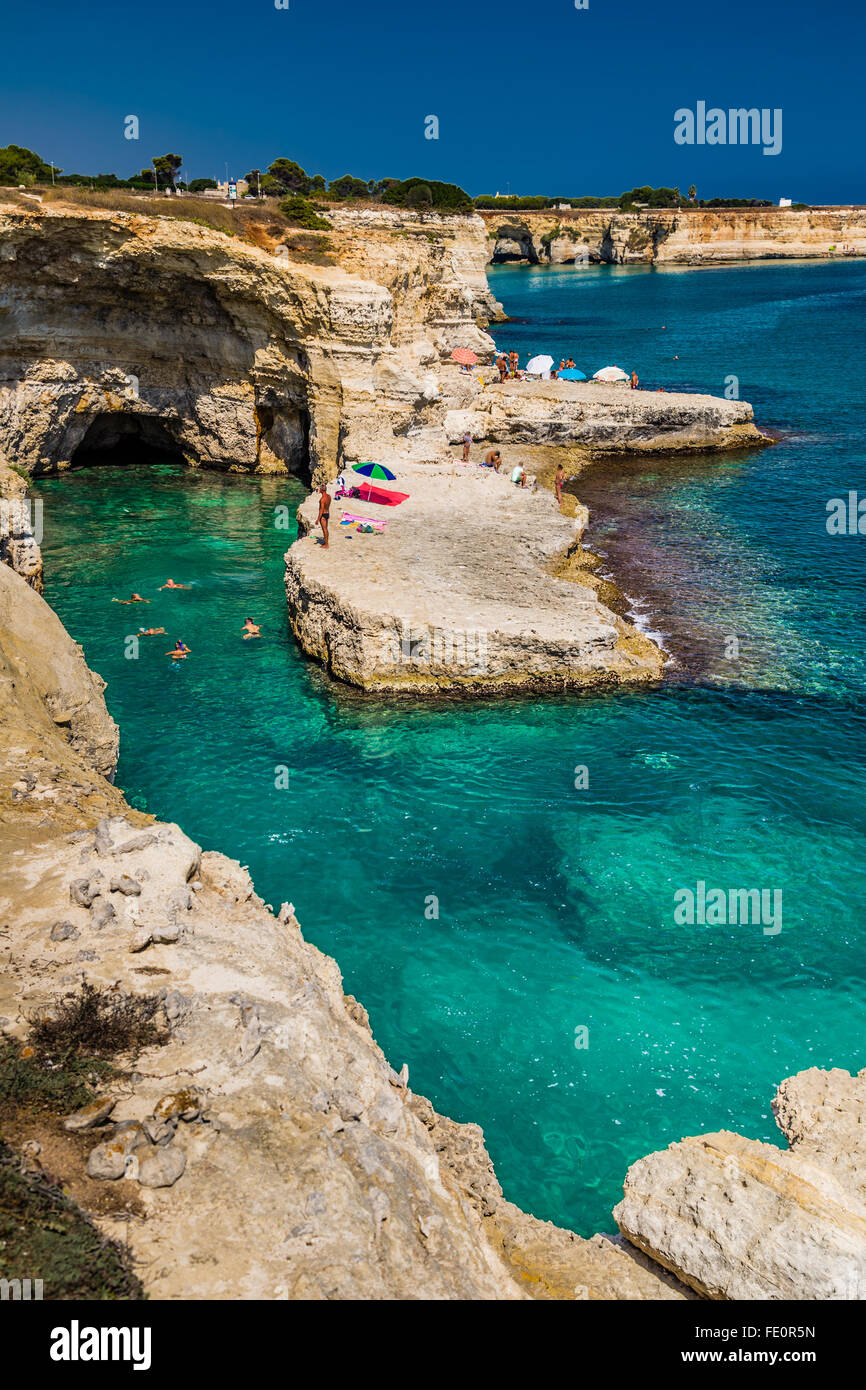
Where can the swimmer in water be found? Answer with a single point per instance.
(134, 598)
(170, 584)
(180, 650)
(250, 629)
(150, 631)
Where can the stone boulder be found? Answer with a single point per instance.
(738, 1219)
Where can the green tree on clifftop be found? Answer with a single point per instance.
(167, 165)
(283, 177)
(19, 165)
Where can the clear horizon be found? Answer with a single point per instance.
(573, 101)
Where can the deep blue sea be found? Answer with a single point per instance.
(555, 999)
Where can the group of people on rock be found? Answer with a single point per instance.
(493, 459)
(507, 364)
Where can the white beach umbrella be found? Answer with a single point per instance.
(537, 365)
(611, 374)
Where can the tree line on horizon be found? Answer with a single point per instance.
(283, 179)
(287, 182)
(634, 198)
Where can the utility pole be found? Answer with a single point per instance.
(52, 173)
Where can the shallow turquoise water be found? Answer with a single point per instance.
(556, 907)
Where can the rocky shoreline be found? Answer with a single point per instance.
(428, 607)
(264, 1147)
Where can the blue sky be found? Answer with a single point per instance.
(535, 96)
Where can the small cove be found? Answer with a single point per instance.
(555, 905)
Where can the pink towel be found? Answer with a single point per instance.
(351, 519)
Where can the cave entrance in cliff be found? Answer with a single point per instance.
(127, 439)
(284, 438)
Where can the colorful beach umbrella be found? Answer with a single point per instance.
(571, 374)
(536, 366)
(374, 470)
(611, 374)
(465, 356)
(371, 471)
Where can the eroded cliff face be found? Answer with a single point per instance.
(116, 328)
(692, 236)
(119, 327)
(19, 541)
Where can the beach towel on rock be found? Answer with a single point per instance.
(383, 495)
(349, 519)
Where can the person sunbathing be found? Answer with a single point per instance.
(170, 584)
(251, 629)
(518, 476)
(492, 459)
(133, 598)
(570, 362)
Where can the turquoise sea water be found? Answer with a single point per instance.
(555, 905)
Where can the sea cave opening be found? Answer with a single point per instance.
(127, 439)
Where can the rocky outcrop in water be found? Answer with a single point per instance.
(457, 594)
(690, 236)
(603, 418)
(738, 1219)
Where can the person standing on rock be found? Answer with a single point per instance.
(467, 445)
(324, 513)
(635, 381)
(502, 364)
